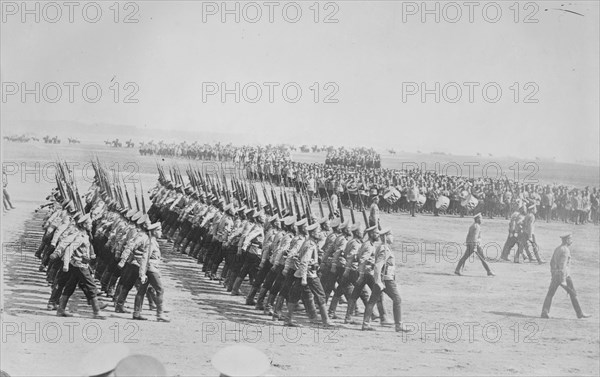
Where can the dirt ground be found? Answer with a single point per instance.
(469, 325)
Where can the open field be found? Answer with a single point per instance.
(470, 325)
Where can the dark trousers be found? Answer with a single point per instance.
(511, 241)
(129, 276)
(250, 266)
(554, 284)
(262, 274)
(313, 286)
(59, 283)
(413, 206)
(286, 285)
(472, 248)
(274, 271)
(391, 289)
(110, 270)
(278, 282)
(216, 257)
(345, 286)
(83, 277)
(153, 280)
(328, 279)
(212, 249)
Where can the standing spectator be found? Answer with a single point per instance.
(5, 196)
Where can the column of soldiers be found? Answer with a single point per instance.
(107, 240)
(414, 191)
(288, 254)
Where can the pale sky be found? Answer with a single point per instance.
(369, 53)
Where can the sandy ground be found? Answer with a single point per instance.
(470, 325)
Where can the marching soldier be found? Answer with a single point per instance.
(363, 275)
(131, 263)
(252, 246)
(76, 258)
(275, 278)
(473, 247)
(528, 236)
(514, 228)
(306, 280)
(60, 276)
(384, 281)
(149, 273)
(265, 265)
(328, 278)
(561, 277)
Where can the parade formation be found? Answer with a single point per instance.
(291, 243)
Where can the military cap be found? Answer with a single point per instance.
(345, 224)
(111, 353)
(123, 211)
(322, 220)
(227, 207)
(336, 222)
(140, 366)
(152, 226)
(273, 218)
(130, 213)
(531, 206)
(241, 360)
(290, 220)
(566, 235)
(241, 209)
(385, 232)
(312, 227)
(477, 215)
(144, 218)
(137, 216)
(301, 222)
(371, 229)
(356, 226)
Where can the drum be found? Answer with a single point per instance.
(470, 202)
(392, 195)
(442, 203)
(421, 199)
(464, 195)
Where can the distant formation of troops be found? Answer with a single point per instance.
(240, 156)
(355, 157)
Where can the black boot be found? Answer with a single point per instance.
(62, 306)
(235, 289)
(138, 303)
(260, 300)
(96, 308)
(250, 299)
